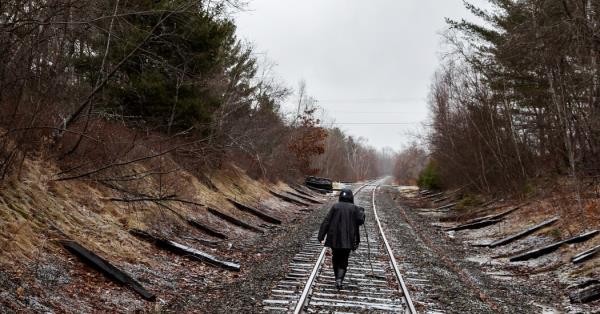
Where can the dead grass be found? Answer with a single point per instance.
(579, 212)
(35, 207)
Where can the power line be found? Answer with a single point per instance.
(370, 100)
(375, 123)
(370, 112)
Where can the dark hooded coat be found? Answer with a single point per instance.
(342, 223)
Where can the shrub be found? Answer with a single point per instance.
(429, 178)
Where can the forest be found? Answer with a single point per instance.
(97, 85)
(516, 99)
(92, 86)
(152, 160)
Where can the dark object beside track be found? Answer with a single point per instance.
(185, 250)
(107, 268)
(319, 183)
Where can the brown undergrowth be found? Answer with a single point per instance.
(576, 203)
(37, 210)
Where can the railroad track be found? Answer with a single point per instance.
(372, 284)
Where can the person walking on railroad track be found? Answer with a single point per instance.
(341, 226)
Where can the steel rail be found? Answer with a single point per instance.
(411, 308)
(315, 271)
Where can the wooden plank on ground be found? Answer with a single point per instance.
(107, 268)
(476, 225)
(585, 255)
(289, 199)
(264, 216)
(207, 229)
(448, 206)
(318, 190)
(523, 233)
(202, 241)
(474, 222)
(300, 189)
(234, 220)
(434, 195)
(488, 203)
(587, 295)
(553, 247)
(441, 199)
(185, 250)
(306, 198)
(504, 213)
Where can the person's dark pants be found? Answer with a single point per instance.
(340, 261)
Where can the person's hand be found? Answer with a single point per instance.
(323, 242)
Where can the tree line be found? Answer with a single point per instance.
(517, 97)
(97, 85)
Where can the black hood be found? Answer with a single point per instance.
(346, 196)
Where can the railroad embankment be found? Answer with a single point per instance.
(118, 244)
(549, 240)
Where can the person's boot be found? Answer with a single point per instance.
(338, 281)
(341, 274)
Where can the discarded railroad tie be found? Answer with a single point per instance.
(523, 233)
(309, 199)
(234, 220)
(587, 295)
(553, 247)
(297, 189)
(264, 216)
(488, 208)
(430, 196)
(585, 255)
(448, 206)
(185, 250)
(499, 215)
(439, 200)
(318, 190)
(107, 268)
(289, 199)
(476, 225)
(203, 241)
(207, 229)
(484, 221)
(488, 203)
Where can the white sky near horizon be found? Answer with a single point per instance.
(369, 64)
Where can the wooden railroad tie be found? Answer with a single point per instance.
(553, 247)
(182, 249)
(523, 233)
(258, 213)
(106, 268)
(234, 220)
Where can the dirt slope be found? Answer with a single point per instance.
(37, 211)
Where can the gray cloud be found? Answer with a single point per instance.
(364, 61)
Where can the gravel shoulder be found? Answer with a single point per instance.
(267, 261)
(457, 284)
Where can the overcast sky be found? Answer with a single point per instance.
(368, 63)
